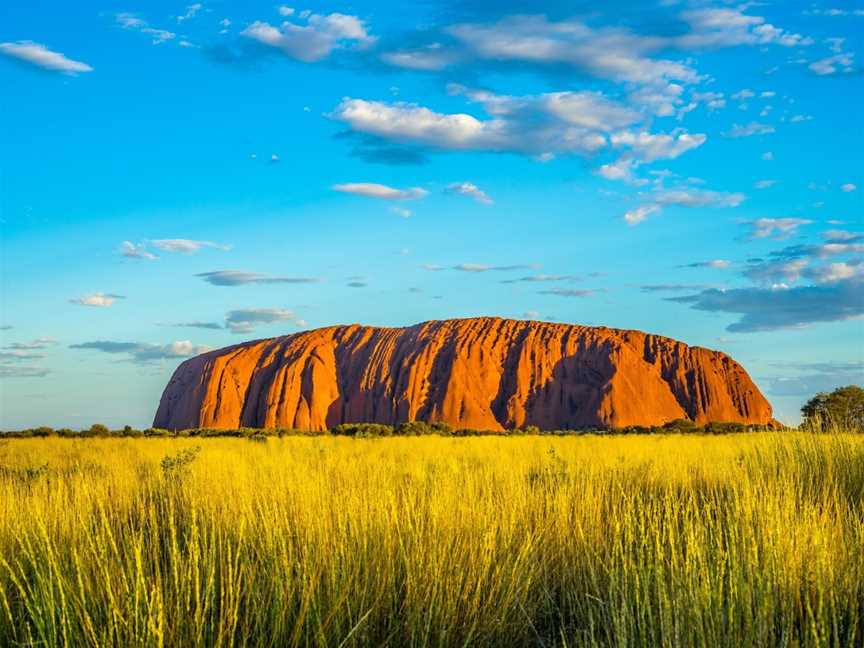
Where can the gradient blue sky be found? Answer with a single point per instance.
(177, 177)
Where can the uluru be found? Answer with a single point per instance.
(484, 373)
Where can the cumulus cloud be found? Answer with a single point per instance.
(314, 38)
(247, 319)
(41, 56)
(657, 146)
(612, 53)
(778, 228)
(767, 309)
(607, 52)
(538, 125)
(728, 27)
(242, 278)
(837, 64)
(144, 352)
(471, 190)
(100, 300)
(380, 191)
(848, 187)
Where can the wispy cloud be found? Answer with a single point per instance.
(22, 371)
(242, 278)
(38, 343)
(247, 319)
(198, 325)
(380, 191)
(479, 267)
(542, 278)
(716, 264)
(132, 22)
(471, 190)
(131, 250)
(777, 228)
(41, 56)
(568, 292)
(186, 246)
(749, 130)
(144, 352)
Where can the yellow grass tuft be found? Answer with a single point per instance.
(578, 541)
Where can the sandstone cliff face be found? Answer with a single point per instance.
(483, 373)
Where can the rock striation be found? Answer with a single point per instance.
(484, 373)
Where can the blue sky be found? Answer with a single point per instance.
(177, 177)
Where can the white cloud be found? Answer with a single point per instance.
(607, 52)
(542, 126)
(191, 11)
(767, 156)
(130, 250)
(748, 130)
(660, 146)
(714, 264)
(776, 227)
(186, 246)
(143, 351)
(100, 300)
(375, 190)
(41, 56)
(315, 40)
(134, 23)
(38, 343)
(728, 27)
(402, 211)
(840, 271)
(432, 57)
(698, 198)
(682, 197)
(839, 63)
(848, 187)
(470, 189)
(640, 213)
(246, 319)
(764, 184)
(713, 100)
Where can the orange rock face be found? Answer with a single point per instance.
(482, 373)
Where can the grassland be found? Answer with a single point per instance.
(745, 540)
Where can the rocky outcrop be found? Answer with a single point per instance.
(483, 373)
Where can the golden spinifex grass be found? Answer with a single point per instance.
(710, 541)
